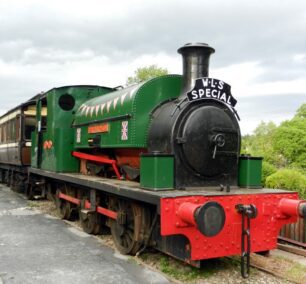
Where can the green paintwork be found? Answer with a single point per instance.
(250, 171)
(136, 101)
(58, 158)
(157, 172)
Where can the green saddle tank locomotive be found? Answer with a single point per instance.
(157, 162)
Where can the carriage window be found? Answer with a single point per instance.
(30, 110)
(4, 128)
(44, 114)
(29, 127)
(12, 129)
(17, 127)
(13, 126)
(8, 131)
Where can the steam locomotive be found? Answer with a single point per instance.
(157, 162)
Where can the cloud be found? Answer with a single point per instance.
(259, 44)
(266, 108)
(240, 31)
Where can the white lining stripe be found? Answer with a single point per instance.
(9, 145)
(10, 116)
(16, 144)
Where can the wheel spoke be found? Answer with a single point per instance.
(130, 226)
(124, 242)
(91, 223)
(129, 241)
(130, 234)
(120, 239)
(124, 236)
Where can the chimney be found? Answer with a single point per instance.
(195, 63)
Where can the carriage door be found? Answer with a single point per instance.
(41, 128)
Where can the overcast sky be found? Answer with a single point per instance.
(260, 47)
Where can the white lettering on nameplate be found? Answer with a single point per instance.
(209, 88)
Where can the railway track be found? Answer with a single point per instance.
(295, 247)
(280, 267)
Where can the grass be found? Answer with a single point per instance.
(289, 269)
(33, 204)
(295, 269)
(184, 272)
(175, 270)
(297, 272)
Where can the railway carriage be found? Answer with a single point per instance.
(157, 162)
(16, 127)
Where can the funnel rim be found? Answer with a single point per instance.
(201, 45)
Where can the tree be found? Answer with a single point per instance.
(284, 152)
(267, 170)
(260, 144)
(282, 146)
(301, 112)
(290, 139)
(288, 179)
(146, 73)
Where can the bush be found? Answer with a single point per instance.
(267, 170)
(288, 179)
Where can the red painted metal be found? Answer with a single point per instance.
(290, 207)
(186, 212)
(109, 213)
(101, 210)
(98, 159)
(69, 198)
(92, 157)
(129, 156)
(101, 128)
(87, 204)
(104, 211)
(176, 219)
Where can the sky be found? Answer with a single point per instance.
(260, 47)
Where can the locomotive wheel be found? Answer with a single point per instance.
(90, 221)
(29, 192)
(8, 178)
(127, 231)
(65, 209)
(50, 195)
(18, 184)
